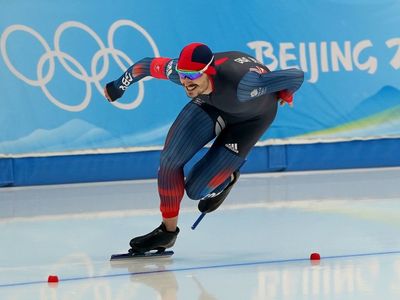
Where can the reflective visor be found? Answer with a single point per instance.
(192, 75)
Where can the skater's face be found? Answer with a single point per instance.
(198, 86)
(195, 82)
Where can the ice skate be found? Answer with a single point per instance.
(152, 244)
(159, 239)
(210, 204)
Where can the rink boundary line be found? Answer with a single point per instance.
(155, 212)
(209, 267)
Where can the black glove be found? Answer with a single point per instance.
(113, 92)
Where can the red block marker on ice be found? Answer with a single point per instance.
(52, 278)
(315, 256)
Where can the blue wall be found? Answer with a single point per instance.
(143, 165)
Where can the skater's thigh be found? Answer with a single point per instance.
(194, 127)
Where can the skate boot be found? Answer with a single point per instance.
(210, 204)
(159, 239)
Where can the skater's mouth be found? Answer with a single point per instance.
(191, 87)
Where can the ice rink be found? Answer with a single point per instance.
(255, 246)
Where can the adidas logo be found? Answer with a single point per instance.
(232, 147)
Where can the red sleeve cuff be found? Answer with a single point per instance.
(286, 96)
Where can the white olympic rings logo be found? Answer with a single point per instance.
(64, 58)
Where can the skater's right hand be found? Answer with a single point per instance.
(111, 92)
(285, 97)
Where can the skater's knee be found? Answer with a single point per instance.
(195, 194)
(194, 191)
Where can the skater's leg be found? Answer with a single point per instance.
(210, 179)
(193, 128)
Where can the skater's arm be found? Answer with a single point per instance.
(283, 82)
(158, 67)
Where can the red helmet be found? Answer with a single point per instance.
(195, 57)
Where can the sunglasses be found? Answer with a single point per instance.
(192, 75)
